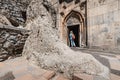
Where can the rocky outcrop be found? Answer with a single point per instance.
(44, 49)
(33, 14)
(12, 40)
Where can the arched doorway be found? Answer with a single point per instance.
(74, 21)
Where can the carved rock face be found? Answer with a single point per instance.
(45, 49)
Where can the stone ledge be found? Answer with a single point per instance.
(60, 77)
(12, 28)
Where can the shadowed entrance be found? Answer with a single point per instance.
(75, 29)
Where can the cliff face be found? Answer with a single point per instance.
(14, 10)
(44, 49)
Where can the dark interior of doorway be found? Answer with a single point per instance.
(75, 29)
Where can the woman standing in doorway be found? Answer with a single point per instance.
(72, 37)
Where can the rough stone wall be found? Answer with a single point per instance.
(12, 41)
(104, 24)
(13, 9)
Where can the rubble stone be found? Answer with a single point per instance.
(12, 40)
(4, 20)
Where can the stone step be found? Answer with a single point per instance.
(48, 75)
(30, 77)
(82, 76)
(59, 77)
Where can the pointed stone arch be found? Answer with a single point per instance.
(80, 20)
(73, 12)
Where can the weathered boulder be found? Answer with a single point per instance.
(12, 40)
(45, 49)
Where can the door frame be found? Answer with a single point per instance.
(68, 40)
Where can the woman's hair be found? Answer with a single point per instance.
(71, 31)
